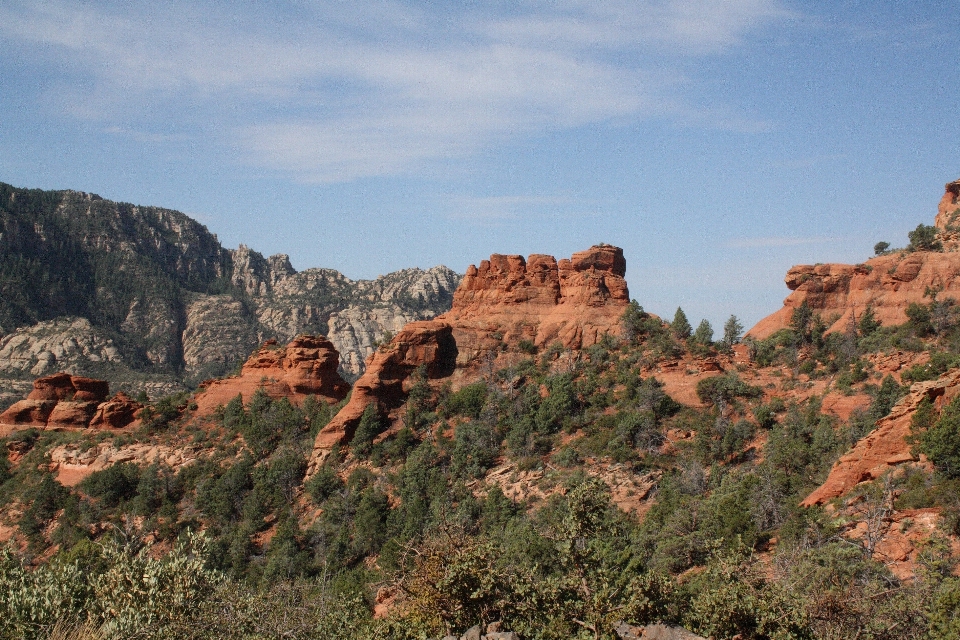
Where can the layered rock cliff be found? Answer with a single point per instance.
(504, 301)
(888, 284)
(149, 299)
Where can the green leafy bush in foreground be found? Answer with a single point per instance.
(118, 589)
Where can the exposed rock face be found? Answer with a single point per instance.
(62, 400)
(220, 332)
(508, 299)
(72, 464)
(503, 301)
(306, 366)
(161, 298)
(118, 412)
(888, 284)
(55, 345)
(886, 447)
(948, 213)
(387, 379)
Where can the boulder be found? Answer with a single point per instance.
(28, 413)
(118, 412)
(69, 413)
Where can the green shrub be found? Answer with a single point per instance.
(323, 484)
(468, 401)
(124, 592)
(113, 485)
(924, 238)
(370, 427)
(724, 388)
(941, 442)
(43, 500)
(527, 346)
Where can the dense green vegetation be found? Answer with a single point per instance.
(724, 550)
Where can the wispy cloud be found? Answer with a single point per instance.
(497, 208)
(336, 91)
(775, 241)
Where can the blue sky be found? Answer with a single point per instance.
(717, 142)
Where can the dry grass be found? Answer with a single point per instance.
(72, 630)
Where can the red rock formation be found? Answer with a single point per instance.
(387, 378)
(306, 366)
(888, 284)
(118, 412)
(948, 213)
(59, 400)
(885, 447)
(504, 300)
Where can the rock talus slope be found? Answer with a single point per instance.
(888, 283)
(499, 303)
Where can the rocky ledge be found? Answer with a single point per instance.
(887, 284)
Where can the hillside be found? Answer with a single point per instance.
(545, 457)
(149, 299)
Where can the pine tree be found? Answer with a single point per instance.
(704, 333)
(732, 330)
(868, 322)
(680, 325)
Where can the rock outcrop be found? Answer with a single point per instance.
(387, 380)
(886, 446)
(306, 366)
(888, 284)
(502, 302)
(65, 401)
(948, 213)
(60, 344)
(507, 299)
(118, 412)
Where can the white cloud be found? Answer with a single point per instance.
(334, 91)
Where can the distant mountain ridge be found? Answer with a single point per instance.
(148, 298)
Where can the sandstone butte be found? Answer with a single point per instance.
(886, 283)
(506, 299)
(886, 446)
(306, 366)
(65, 401)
